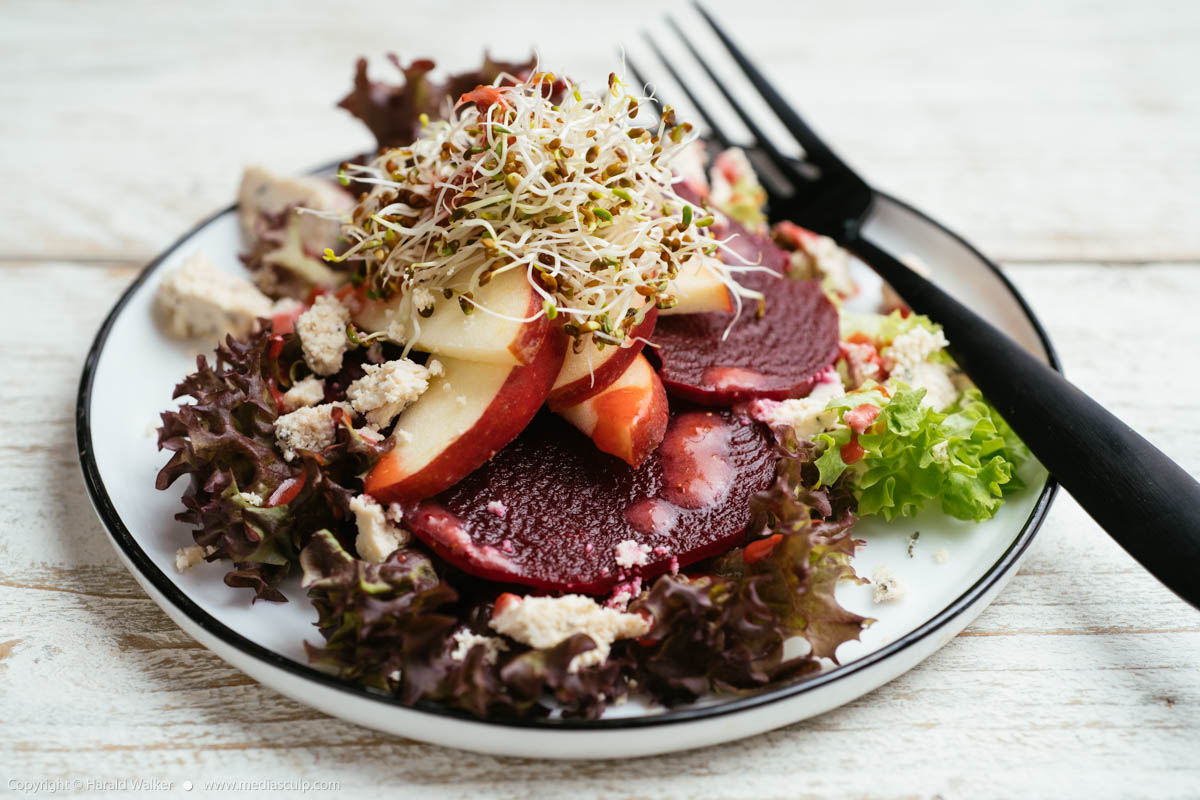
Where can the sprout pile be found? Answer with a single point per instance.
(573, 193)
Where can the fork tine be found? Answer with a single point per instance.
(815, 149)
(641, 78)
(718, 134)
(781, 162)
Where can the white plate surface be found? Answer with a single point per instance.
(133, 368)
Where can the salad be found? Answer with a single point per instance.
(546, 415)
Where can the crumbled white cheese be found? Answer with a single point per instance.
(907, 361)
(265, 193)
(912, 348)
(322, 332)
(422, 299)
(631, 554)
(464, 640)
(934, 378)
(306, 429)
(250, 498)
(387, 389)
(542, 622)
(941, 555)
(197, 299)
(888, 586)
(377, 536)
(498, 508)
(821, 258)
(307, 392)
(188, 557)
(807, 416)
(941, 452)
(861, 362)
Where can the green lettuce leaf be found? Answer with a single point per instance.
(965, 459)
(881, 327)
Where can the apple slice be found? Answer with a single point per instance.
(590, 371)
(628, 418)
(478, 336)
(467, 414)
(699, 289)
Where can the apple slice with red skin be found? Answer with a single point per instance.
(467, 414)
(628, 418)
(590, 371)
(699, 289)
(478, 336)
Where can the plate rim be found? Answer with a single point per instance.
(124, 540)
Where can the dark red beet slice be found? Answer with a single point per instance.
(548, 510)
(776, 356)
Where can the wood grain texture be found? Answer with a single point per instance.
(1043, 131)
(1060, 136)
(1084, 668)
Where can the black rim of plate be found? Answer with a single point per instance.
(125, 540)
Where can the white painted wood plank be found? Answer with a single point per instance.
(1042, 131)
(1081, 680)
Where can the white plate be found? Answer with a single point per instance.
(128, 379)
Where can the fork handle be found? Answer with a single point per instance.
(1142, 498)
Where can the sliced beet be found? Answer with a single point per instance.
(774, 357)
(549, 511)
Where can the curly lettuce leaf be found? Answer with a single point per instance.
(723, 627)
(882, 327)
(224, 440)
(964, 459)
(390, 626)
(393, 112)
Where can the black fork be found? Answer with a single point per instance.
(1145, 501)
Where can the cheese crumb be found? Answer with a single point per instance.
(498, 508)
(912, 348)
(906, 359)
(306, 429)
(250, 498)
(188, 557)
(264, 193)
(807, 416)
(196, 299)
(378, 537)
(387, 389)
(422, 298)
(820, 257)
(304, 393)
(465, 640)
(631, 554)
(543, 622)
(941, 555)
(888, 586)
(322, 332)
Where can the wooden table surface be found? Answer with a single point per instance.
(1059, 137)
